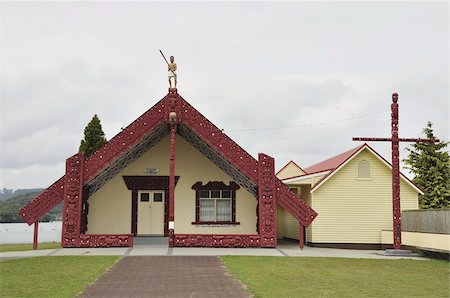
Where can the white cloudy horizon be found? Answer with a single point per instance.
(249, 67)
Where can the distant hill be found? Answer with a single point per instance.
(9, 209)
(9, 193)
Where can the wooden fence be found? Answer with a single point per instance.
(436, 221)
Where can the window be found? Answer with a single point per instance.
(145, 197)
(215, 203)
(157, 197)
(363, 169)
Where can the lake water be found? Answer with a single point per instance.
(23, 233)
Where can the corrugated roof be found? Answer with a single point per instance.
(332, 163)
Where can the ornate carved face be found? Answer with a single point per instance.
(172, 118)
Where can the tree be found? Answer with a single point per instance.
(430, 164)
(94, 137)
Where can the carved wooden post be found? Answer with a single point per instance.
(35, 236)
(172, 121)
(73, 193)
(134, 211)
(395, 140)
(396, 212)
(301, 236)
(266, 201)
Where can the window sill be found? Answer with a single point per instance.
(216, 223)
(364, 179)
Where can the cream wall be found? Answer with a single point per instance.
(290, 170)
(430, 241)
(110, 206)
(352, 210)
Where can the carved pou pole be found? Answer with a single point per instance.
(395, 142)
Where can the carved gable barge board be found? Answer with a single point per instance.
(126, 139)
(218, 140)
(44, 202)
(290, 201)
(216, 158)
(210, 240)
(130, 156)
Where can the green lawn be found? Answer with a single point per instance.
(51, 276)
(340, 277)
(28, 246)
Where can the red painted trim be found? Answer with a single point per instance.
(172, 174)
(44, 202)
(214, 185)
(267, 210)
(218, 140)
(215, 223)
(106, 240)
(124, 140)
(35, 236)
(206, 240)
(166, 212)
(293, 204)
(301, 236)
(134, 211)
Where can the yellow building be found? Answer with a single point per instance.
(352, 194)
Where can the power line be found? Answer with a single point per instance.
(308, 124)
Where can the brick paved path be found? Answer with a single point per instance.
(171, 276)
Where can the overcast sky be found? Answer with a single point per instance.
(326, 70)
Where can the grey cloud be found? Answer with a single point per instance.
(243, 65)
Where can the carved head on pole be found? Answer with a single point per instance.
(172, 58)
(394, 97)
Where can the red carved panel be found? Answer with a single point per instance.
(172, 174)
(124, 140)
(105, 240)
(73, 193)
(188, 240)
(294, 204)
(218, 140)
(267, 209)
(44, 202)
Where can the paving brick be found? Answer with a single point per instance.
(166, 276)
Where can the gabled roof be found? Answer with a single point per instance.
(290, 165)
(332, 163)
(148, 130)
(345, 158)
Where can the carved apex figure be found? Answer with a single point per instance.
(172, 67)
